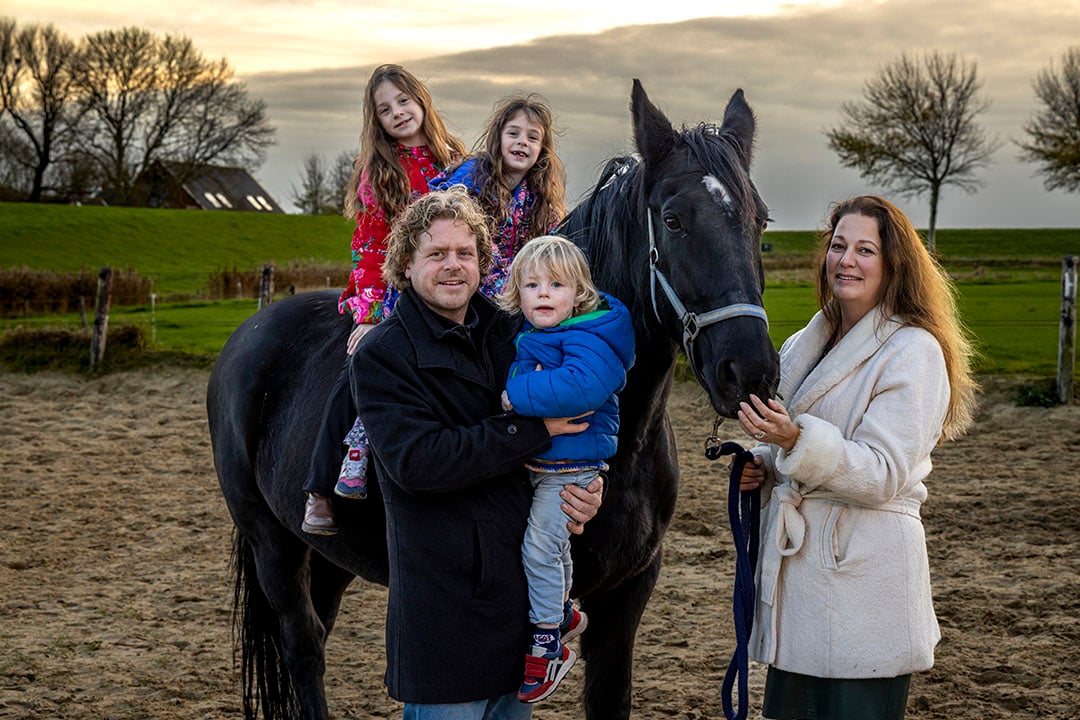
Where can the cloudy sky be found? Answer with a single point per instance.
(797, 62)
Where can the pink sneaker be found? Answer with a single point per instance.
(352, 482)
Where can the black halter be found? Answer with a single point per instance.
(692, 322)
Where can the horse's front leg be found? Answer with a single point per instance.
(608, 644)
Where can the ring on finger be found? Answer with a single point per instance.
(759, 435)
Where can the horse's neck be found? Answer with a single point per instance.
(644, 400)
(615, 239)
(619, 258)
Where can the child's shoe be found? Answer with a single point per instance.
(573, 623)
(352, 482)
(544, 671)
(319, 516)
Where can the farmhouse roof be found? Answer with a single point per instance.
(210, 187)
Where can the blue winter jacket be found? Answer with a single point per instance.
(584, 362)
(472, 174)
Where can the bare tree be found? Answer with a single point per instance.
(1054, 132)
(322, 189)
(37, 96)
(116, 76)
(311, 197)
(340, 178)
(77, 176)
(316, 195)
(218, 121)
(156, 98)
(16, 163)
(915, 131)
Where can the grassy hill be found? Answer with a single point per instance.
(958, 245)
(1009, 279)
(178, 248)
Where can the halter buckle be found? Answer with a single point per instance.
(691, 328)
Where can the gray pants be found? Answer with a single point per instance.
(545, 551)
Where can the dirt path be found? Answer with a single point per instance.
(114, 550)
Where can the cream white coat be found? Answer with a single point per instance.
(843, 580)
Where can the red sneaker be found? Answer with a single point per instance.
(544, 671)
(573, 624)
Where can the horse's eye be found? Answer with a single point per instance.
(673, 223)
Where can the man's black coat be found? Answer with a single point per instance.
(449, 463)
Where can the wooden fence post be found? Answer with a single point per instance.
(101, 317)
(266, 286)
(1067, 332)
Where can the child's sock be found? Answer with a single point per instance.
(547, 638)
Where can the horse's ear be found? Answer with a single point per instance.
(739, 125)
(653, 133)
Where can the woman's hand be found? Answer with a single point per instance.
(357, 333)
(768, 422)
(582, 503)
(753, 475)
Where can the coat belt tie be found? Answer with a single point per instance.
(787, 539)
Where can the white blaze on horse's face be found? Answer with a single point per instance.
(717, 190)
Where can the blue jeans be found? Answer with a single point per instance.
(545, 551)
(504, 707)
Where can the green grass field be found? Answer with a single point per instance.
(1015, 325)
(199, 328)
(1009, 279)
(178, 248)
(954, 245)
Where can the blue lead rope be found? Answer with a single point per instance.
(744, 513)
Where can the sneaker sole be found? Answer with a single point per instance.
(316, 530)
(563, 670)
(350, 494)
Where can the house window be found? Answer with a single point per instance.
(262, 201)
(224, 200)
(213, 200)
(252, 203)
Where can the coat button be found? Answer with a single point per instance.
(512, 429)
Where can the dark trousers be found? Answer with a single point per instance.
(790, 696)
(338, 418)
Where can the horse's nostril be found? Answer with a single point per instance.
(730, 373)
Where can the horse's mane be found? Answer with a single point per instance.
(604, 216)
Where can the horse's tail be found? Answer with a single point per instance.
(256, 634)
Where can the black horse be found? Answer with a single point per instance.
(675, 235)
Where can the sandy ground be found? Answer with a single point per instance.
(114, 549)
